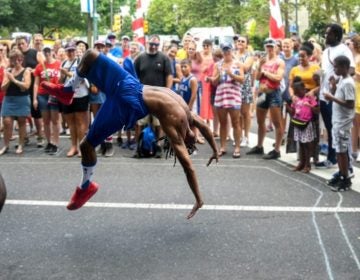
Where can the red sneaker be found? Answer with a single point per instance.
(63, 94)
(80, 197)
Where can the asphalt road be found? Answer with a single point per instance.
(260, 221)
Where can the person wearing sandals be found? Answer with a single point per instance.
(229, 75)
(16, 103)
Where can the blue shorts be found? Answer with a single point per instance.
(271, 99)
(98, 98)
(45, 105)
(124, 103)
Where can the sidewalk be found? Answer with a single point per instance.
(291, 160)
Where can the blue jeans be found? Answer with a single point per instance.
(326, 113)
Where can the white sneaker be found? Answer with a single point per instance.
(244, 142)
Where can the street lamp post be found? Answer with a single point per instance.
(95, 23)
(296, 17)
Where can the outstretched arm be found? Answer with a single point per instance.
(206, 132)
(181, 152)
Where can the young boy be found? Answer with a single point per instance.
(188, 86)
(342, 120)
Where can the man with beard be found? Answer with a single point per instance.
(153, 68)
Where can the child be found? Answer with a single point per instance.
(188, 86)
(302, 111)
(343, 102)
(188, 89)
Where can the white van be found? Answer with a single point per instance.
(218, 35)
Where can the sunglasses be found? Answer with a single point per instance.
(154, 44)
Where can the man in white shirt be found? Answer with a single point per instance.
(333, 37)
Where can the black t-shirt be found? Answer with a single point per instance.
(30, 58)
(153, 69)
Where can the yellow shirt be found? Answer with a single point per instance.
(357, 90)
(181, 54)
(305, 74)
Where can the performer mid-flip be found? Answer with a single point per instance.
(127, 100)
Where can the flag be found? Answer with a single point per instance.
(276, 25)
(138, 23)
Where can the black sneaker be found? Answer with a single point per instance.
(100, 150)
(48, 148)
(256, 151)
(158, 152)
(54, 150)
(109, 150)
(344, 184)
(272, 155)
(334, 180)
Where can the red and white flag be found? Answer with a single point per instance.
(138, 23)
(276, 25)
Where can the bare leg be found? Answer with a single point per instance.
(261, 117)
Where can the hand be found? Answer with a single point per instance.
(10, 76)
(35, 104)
(328, 96)
(262, 60)
(214, 156)
(332, 81)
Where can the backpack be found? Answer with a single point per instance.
(147, 143)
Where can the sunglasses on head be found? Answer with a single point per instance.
(154, 44)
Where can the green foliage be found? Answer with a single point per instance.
(356, 26)
(177, 16)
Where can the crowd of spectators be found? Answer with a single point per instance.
(227, 87)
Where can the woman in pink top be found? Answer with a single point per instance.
(206, 111)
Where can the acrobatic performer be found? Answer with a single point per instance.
(127, 100)
(2, 192)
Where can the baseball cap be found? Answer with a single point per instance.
(226, 46)
(125, 38)
(108, 42)
(111, 36)
(270, 42)
(70, 46)
(99, 42)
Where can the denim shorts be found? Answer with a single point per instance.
(44, 105)
(271, 99)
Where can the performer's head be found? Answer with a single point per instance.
(2, 192)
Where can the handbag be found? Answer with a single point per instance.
(299, 123)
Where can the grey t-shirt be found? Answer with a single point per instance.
(342, 117)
